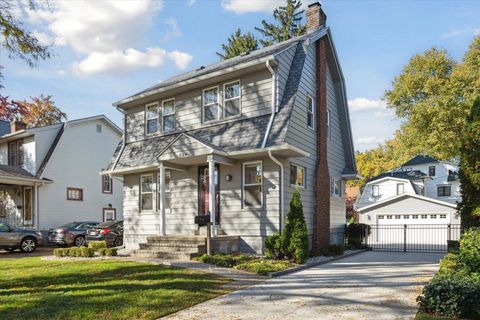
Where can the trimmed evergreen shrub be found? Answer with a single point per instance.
(450, 264)
(95, 245)
(111, 252)
(59, 252)
(469, 252)
(273, 246)
(102, 252)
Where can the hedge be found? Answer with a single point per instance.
(96, 245)
(83, 252)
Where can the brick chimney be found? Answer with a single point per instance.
(316, 18)
(17, 126)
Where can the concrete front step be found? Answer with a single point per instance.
(144, 253)
(176, 239)
(173, 248)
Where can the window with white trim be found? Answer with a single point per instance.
(231, 99)
(400, 188)
(389, 217)
(329, 129)
(151, 121)
(336, 187)
(444, 191)
(415, 216)
(146, 192)
(375, 190)
(443, 216)
(433, 216)
(310, 113)
(211, 106)
(397, 216)
(424, 216)
(168, 191)
(252, 184)
(381, 217)
(406, 216)
(297, 176)
(168, 115)
(107, 184)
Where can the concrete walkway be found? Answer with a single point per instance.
(370, 285)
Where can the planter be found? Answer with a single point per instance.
(452, 246)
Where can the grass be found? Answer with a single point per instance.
(246, 263)
(31, 288)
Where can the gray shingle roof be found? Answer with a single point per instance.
(14, 172)
(420, 159)
(410, 175)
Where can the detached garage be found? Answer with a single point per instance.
(410, 222)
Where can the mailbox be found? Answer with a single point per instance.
(202, 220)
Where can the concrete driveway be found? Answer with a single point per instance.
(371, 285)
(40, 252)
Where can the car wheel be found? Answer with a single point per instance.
(10, 249)
(28, 245)
(79, 241)
(118, 242)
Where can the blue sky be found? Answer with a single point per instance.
(108, 50)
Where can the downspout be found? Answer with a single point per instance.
(265, 139)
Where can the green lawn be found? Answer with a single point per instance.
(31, 288)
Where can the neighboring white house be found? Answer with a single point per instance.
(49, 175)
(422, 191)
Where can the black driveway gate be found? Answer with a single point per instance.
(412, 237)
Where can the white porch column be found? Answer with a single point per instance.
(161, 201)
(211, 194)
(35, 207)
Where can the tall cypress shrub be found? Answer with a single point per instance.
(469, 173)
(295, 234)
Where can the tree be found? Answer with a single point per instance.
(16, 40)
(288, 18)
(295, 234)
(42, 112)
(238, 43)
(469, 174)
(11, 110)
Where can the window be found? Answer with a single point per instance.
(168, 115)
(329, 130)
(431, 171)
(381, 217)
(231, 99)
(444, 191)
(310, 113)
(75, 194)
(336, 187)
(376, 190)
(297, 176)
(433, 216)
(109, 214)
(397, 216)
(3, 204)
(400, 188)
(424, 216)
(146, 192)
(210, 104)
(415, 216)
(252, 184)
(168, 191)
(15, 153)
(389, 217)
(107, 184)
(406, 216)
(151, 118)
(99, 128)
(443, 216)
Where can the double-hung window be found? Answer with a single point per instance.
(310, 113)
(444, 191)
(168, 191)
(15, 153)
(336, 187)
(252, 184)
(400, 188)
(211, 106)
(297, 176)
(107, 184)
(151, 114)
(375, 190)
(431, 171)
(329, 126)
(168, 115)
(74, 194)
(146, 192)
(231, 99)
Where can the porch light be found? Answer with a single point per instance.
(228, 177)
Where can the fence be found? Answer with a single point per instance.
(412, 237)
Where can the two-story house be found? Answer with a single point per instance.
(234, 139)
(423, 190)
(49, 175)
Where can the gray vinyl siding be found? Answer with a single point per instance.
(256, 100)
(252, 224)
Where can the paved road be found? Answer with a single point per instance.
(371, 285)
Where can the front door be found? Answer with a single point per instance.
(27, 206)
(203, 192)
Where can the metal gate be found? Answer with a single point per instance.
(412, 237)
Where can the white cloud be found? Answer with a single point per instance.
(191, 2)
(181, 59)
(43, 38)
(384, 114)
(173, 31)
(246, 6)
(461, 32)
(118, 62)
(370, 140)
(452, 34)
(361, 104)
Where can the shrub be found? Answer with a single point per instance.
(95, 245)
(59, 252)
(356, 233)
(74, 252)
(111, 252)
(450, 264)
(295, 235)
(86, 252)
(453, 295)
(337, 249)
(261, 266)
(102, 252)
(331, 250)
(273, 246)
(469, 252)
(218, 259)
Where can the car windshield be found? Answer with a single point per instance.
(69, 225)
(107, 224)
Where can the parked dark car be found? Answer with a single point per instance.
(12, 238)
(71, 233)
(110, 231)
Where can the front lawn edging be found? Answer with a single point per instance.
(314, 263)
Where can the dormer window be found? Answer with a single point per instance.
(231, 98)
(168, 115)
(151, 118)
(210, 104)
(431, 171)
(15, 153)
(375, 190)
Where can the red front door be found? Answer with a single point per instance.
(203, 192)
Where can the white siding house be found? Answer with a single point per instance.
(49, 175)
